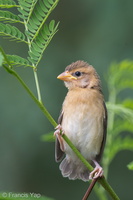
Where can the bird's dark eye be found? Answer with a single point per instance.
(78, 73)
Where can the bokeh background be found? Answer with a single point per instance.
(98, 32)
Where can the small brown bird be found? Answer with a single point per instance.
(84, 120)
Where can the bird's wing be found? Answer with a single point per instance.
(98, 158)
(58, 152)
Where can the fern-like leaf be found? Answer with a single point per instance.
(120, 116)
(9, 17)
(121, 110)
(120, 75)
(26, 8)
(12, 32)
(8, 4)
(34, 14)
(41, 42)
(18, 61)
(121, 126)
(40, 13)
(120, 144)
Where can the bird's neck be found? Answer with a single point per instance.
(83, 95)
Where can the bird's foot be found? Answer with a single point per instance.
(59, 130)
(58, 133)
(97, 172)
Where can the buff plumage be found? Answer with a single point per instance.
(83, 119)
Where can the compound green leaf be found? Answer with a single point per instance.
(120, 144)
(18, 61)
(8, 4)
(12, 32)
(8, 16)
(47, 4)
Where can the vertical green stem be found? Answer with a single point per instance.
(112, 99)
(34, 69)
(37, 85)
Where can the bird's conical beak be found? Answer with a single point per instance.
(66, 76)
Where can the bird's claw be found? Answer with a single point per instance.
(59, 130)
(97, 172)
(58, 133)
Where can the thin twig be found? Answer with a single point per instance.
(101, 180)
(89, 189)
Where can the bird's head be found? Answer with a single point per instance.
(80, 74)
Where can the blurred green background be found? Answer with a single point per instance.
(98, 32)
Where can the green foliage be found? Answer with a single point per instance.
(120, 115)
(41, 41)
(120, 112)
(48, 137)
(7, 4)
(1, 59)
(9, 17)
(130, 166)
(18, 61)
(120, 76)
(37, 34)
(12, 32)
(120, 144)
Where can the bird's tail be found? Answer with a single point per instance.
(73, 170)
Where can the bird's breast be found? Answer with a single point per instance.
(83, 124)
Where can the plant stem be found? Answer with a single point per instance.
(40, 104)
(108, 188)
(102, 180)
(88, 192)
(34, 68)
(37, 85)
(79, 155)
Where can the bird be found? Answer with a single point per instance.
(83, 118)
